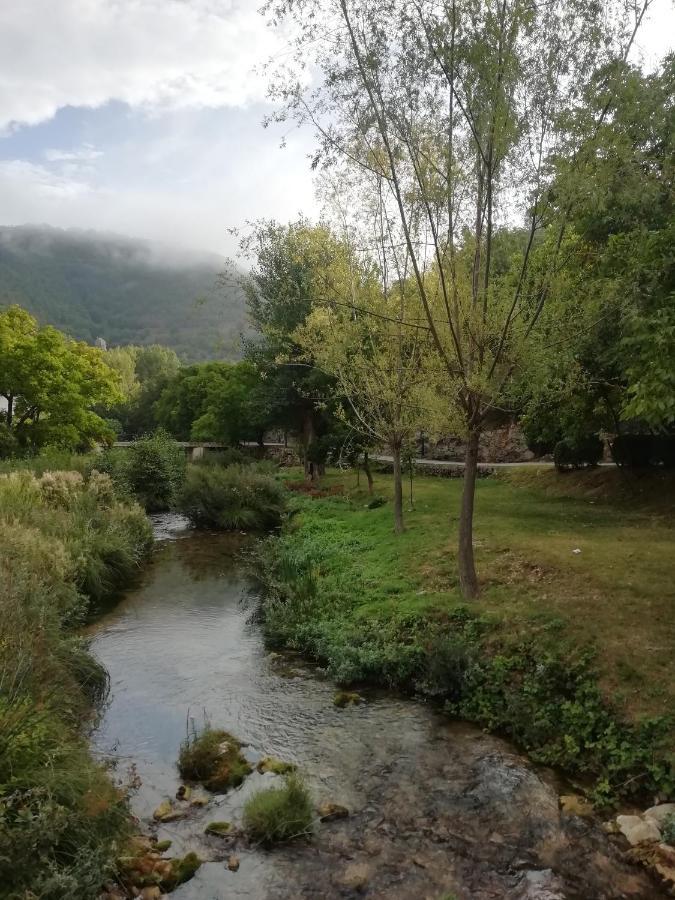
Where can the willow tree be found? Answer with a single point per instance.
(456, 106)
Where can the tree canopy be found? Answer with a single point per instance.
(50, 385)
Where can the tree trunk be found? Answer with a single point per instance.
(398, 490)
(468, 581)
(307, 438)
(369, 474)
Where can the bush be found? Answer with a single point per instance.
(577, 453)
(277, 814)
(230, 456)
(213, 757)
(233, 498)
(152, 469)
(637, 451)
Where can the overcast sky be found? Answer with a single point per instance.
(144, 117)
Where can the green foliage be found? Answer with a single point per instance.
(144, 373)
(574, 454)
(213, 757)
(237, 497)
(215, 401)
(322, 595)
(152, 469)
(62, 821)
(278, 814)
(50, 385)
(121, 289)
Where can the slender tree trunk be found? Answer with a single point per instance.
(10, 410)
(398, 489)
(369, 474)
(307, 438)
(468, 581)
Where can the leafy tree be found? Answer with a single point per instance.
(144, 372)
(372, 338)
(622, 183)
(290, 263)
(455, 109)
(50, 385)
(214, 401)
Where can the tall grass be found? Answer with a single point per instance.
(66, 540)
(232, 498)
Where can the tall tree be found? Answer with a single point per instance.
(290, 264)
(456, 108)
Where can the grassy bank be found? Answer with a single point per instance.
(67, 541)
(569, 653)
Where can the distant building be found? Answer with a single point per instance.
(100, 343)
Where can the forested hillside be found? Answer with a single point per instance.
(125, 291)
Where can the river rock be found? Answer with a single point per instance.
(660, 812)
(151, 893)
(218, 829)
(638, 830)
(346, 698)
(233, 864)
(167, 812)
(575, 805)
(329, 812)
(355, 876)
(275, 766)
(183, 792)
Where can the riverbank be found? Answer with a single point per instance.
(428, 807)
(563, 577)
(68, 543)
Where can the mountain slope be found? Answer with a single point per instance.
(125, 291)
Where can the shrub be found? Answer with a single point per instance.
(230, 456)
(233, 498)
(152, 469)
(213, 757)
(637, 451)
(277, 814)
(577, 453)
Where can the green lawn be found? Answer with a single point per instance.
(617, 594)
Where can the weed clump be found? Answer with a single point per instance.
(278, 814)
(232, 498)
(213, 758)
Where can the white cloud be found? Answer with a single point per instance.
(84, 154)
(157, 54)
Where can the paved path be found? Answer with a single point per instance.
(457, 464)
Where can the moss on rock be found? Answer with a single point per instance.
(218, 829)
(213, 758)
(276, 766)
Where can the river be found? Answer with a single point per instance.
(438, 809)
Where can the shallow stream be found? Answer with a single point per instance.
(437, 809)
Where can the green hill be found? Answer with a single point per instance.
(123, 290)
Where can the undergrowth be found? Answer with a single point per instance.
(66, 541)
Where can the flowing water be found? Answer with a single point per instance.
(437, 809)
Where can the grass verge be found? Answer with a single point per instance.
(569, 653)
